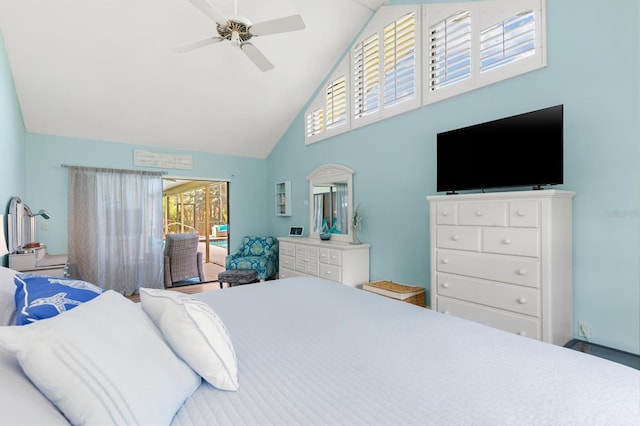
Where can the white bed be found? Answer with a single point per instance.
(314, 352)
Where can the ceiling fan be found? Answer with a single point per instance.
(238, 30)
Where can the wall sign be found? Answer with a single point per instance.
(164, 160)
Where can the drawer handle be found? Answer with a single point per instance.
(455, 238)
(522, 333)
(522, 300)
(522, 272)
(445, 261)
(506, 241)
(445, 312)
(445, 285)
(520, 213)
(479, 213)
(445, 213)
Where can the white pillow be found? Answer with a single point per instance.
(21, 403)
(7, 296)
(196, 333)
(103, 363)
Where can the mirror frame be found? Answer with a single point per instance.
(325, 175)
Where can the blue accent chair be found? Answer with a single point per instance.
(257, 253)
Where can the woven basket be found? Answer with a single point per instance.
(400, 290)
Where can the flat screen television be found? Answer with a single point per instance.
(522, 150)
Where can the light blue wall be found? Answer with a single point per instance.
(395, 167)
(12, 139)
(593, 69)
(47, 181)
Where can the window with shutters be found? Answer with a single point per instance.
(400, 60)
(385, 66)
(508, 41)
(336, 102)
(328, 115)
(450, 50)
(315, 122)
(366, 77)
(470, 45)
(465, 46)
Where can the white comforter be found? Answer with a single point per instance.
(312, 351)
(315, 352)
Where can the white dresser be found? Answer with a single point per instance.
(334, 260)
(504, 259)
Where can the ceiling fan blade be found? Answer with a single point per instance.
(256, 57)
(198, 44)
(280, 25)
(207, 8)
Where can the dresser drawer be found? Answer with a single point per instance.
(307, 260)
(458, 237)
(516, 241)
(491, 267)
(289, 273)
(287, 261)
(329, 256)
(330, 272)
(514, 323)
(524, 214)
(515, 298)
(487, 213)
(446, 213)
(287, 249)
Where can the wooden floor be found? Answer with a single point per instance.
(211, 271)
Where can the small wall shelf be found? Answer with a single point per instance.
(283, 198)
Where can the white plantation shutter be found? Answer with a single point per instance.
(399, 47)
(366, 77)
(336, 95)
(328, 114)
(470, 45)
(385, 66)
(511, 39)
(315, 122)
(507, 41)
(450, 51)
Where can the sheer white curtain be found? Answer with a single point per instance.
(318, 206)
(115, 228)
(342, 207)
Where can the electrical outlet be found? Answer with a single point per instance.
(43, 226)
(583, 329)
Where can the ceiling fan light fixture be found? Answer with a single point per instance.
(235, 38)
(238, 30)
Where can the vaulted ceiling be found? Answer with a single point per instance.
(107, 70)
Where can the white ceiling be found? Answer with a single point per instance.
(106, 70)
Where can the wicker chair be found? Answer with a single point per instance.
(182, 260)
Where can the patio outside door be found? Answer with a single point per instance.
(201, 207)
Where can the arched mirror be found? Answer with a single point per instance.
(331, 201)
